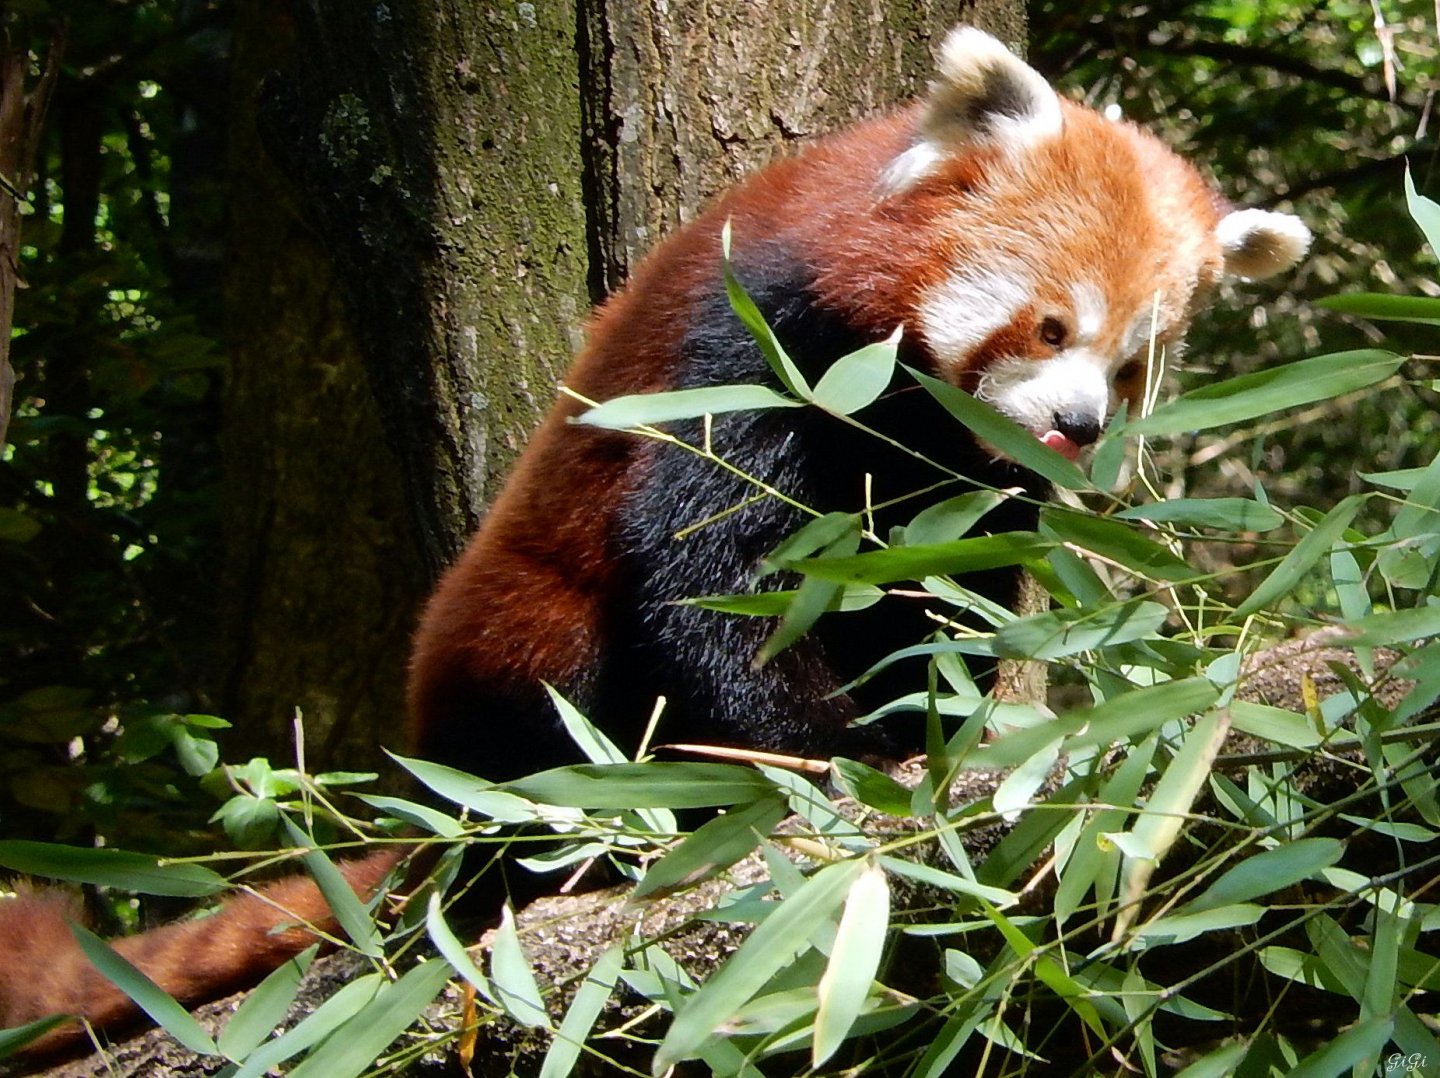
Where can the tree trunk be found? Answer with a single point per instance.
(322, 579)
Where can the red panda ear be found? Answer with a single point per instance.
(985, 96)
(1260, 243)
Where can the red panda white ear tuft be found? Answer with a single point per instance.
(985, 96)
(1260, 243)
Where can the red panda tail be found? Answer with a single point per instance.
(45, 972)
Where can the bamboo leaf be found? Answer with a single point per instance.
(579, 1019)
(16, 1037)
(105, 867)
(1007, 436)
(1422, 310)
(775, 603)
(936, 559)
(352, 1048)
(783, 934)
(512, 978)
(770, 347)
(598, 748)
(350, 913)
(1317, 543)
(264, 1007)
(452, 950)
(1276, 389)
(854, 961)
(1425, 211)
(1361, 1043)
(470, 791)
(1270, 870)
(412, 812)
(148, 996)
(713, 847)
(1225, 514)
(1058, 633)
(1160, 824)
(856, 380)
(653, 409)
(648, 785)
(314, 1028)
(951, 519)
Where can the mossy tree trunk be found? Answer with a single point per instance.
(479, 175)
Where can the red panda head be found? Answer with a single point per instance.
(1037, 247)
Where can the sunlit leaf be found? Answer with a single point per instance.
(579, 1019)
(354, 1046)
(1275, 389)
(148, 996)
(813, 535)
(774, 603)
(452, 950)
(872, 787)
(265, 1006)
(1315, 545)
(1268, 871)
(937, 559)
(512, 978)
(1009, 437)
(1424, 211)
(651, 409)
(469, 791)
(714, 846)
(1058, 633)
(785, 933)
(857, 379)
(952, 518)
(16, 1037)
(1121, 543)
(854, 961)
(648, 785)
(105, 867)
(1225, 514)
(349, 911)
(1422, 310)
(1360, 1043)
(770, 347)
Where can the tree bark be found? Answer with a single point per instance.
(321, 577)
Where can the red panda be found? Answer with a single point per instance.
(1029, 248)
(1020, 240)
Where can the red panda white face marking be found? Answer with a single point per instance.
(964, 310)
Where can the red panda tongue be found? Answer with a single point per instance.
(1061, 444)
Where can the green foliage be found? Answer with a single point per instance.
(1148, 874)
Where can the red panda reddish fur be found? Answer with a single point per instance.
(1032, 251)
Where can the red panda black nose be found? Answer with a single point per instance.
(1080, 428)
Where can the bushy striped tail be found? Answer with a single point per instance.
(44, 972)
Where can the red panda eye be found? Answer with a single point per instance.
(1053, 332)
